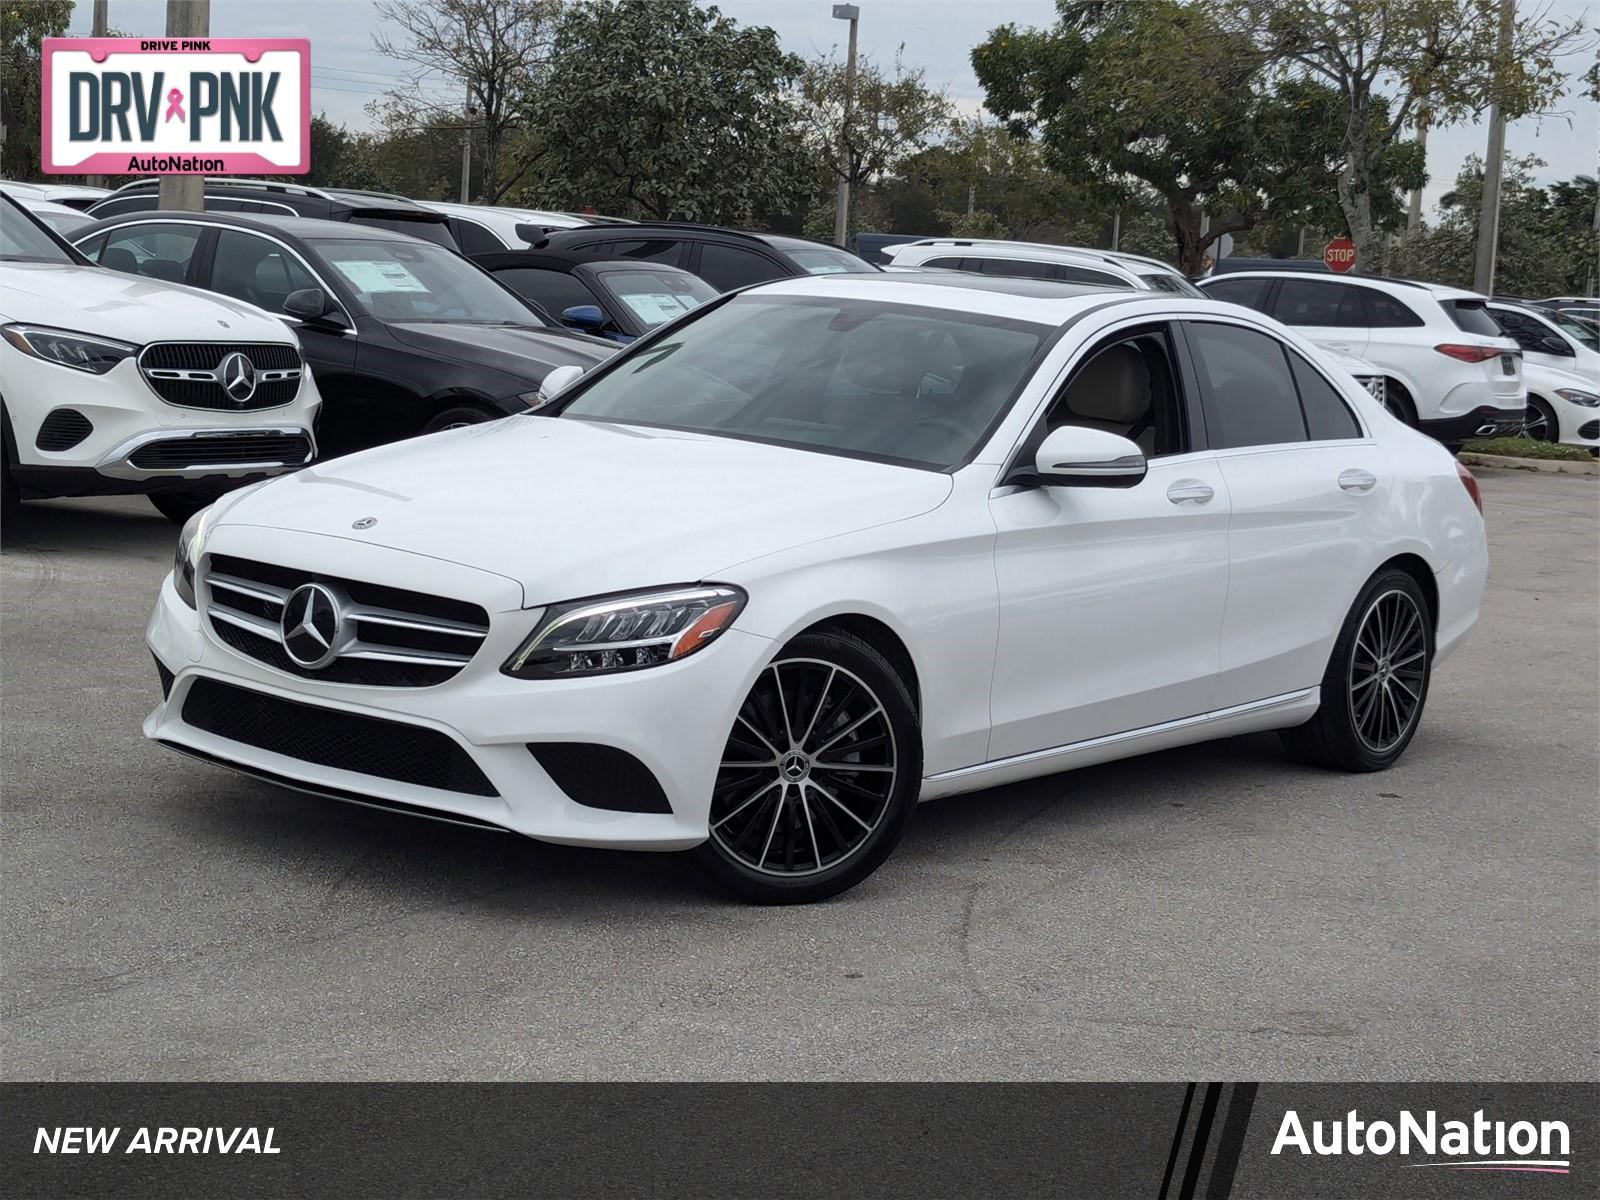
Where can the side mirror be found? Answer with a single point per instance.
(590, 318)
(557, 381)
(1551, 344)
(312, 304)
(1074, 456)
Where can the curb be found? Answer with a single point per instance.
(1552, 466)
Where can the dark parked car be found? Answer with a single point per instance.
(616, 299)
(724, 258)
(402, 336)
(376, 209)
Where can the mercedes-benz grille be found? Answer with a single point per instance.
(343, 630)
(232, 376)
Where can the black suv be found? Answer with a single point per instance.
(377, 209)
(402, 336)
(724, 258)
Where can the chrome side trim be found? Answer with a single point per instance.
(1130, 735)
(116, 465)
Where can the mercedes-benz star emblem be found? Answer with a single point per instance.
(238, 377)
(311, 625)
(363, 523)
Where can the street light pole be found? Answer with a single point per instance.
(186, 19)
(102, 22)
(841, 214)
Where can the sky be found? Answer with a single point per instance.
(936, 35)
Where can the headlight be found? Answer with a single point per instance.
(67, 349)
(1579, 396)
(624, 633)
(191, 540)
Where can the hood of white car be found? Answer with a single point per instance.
(1546, 379)
(573, 508)
(129, 308)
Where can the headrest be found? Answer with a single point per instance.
(1113, 386)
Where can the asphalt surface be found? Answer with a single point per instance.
(1215, 912)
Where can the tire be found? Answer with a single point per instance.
(1399, 403)
(457, 416)
(178, 507)
(1383, 657)
(10, 495)
(1539, 422)
(789, 826)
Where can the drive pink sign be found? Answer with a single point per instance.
(177, 106)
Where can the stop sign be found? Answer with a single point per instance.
(1339, 254)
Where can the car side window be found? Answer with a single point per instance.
(955, 264)
(1127, 386)
(1328, 418)
(728, 267)
(1529, 333)
(1252, 293)
(256, 270)
(1247, 390)
(553, 291)
(154, 251)
(475, 238)
(1307, 302)
(1018, 268)
(1385, 312)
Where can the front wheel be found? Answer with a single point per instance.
(1376, 682)
(819, 775)
(178, 507)
(457, 416)
(1539, 422)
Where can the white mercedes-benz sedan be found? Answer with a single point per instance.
(820, 549)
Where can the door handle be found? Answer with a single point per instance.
(1357, 480)
(1190, 489)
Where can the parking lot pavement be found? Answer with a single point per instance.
(1215, 912)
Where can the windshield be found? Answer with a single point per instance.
(418, 281)
(656, 297)
(23, 241)
(1161, 281)
(821, 260)
(1577, 329)
(901, 383)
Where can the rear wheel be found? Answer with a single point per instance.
(457, 416)
(10, 496)
(819, 775)
(1399, 403)
(1376, 682)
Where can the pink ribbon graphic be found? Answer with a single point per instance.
(175, 105)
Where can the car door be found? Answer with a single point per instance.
(1330, 314)
(1305, 483)
(1111, 600)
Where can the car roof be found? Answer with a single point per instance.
(303, 228)
(563, 260)
(1041, 301)
(1039, 251)
(1439, 291)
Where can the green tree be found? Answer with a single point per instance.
(23, 23)
(665, 109)
(893, 115)
(1390, 62)
(1124, 92)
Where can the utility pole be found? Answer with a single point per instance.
(1414, 207)
(98, 29)
(466, 152)
(841, 214)
(186, 19)
(1116, 227)
(1489, 214)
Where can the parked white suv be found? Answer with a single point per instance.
(1448, 369)
(111, 383)
(1036, 260)
(481, 229)
(1563, 375)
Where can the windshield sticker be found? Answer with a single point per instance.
(656, 308)
(379, 275)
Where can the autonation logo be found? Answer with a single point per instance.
(1478, 1145)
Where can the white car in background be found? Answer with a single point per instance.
(820, 548)
(1448, 369)
(70, 195)
(1562, 372)
(113, 383)
(480, 229)
(1036, 260)
(62, 220)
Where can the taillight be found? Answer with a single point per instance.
(1470, 482)
(1469, 354)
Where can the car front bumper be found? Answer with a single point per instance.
(673, 719)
